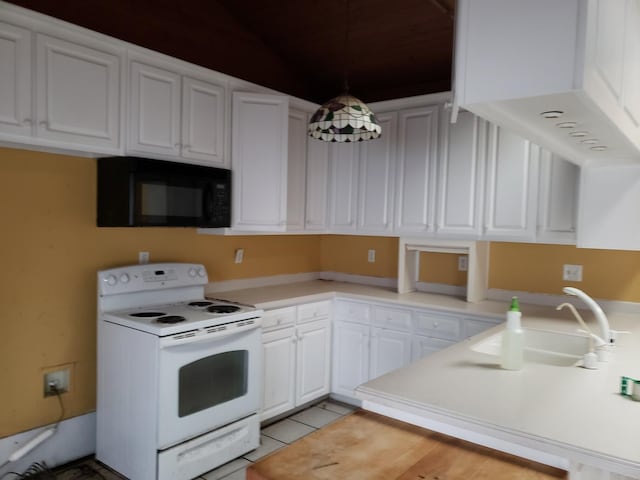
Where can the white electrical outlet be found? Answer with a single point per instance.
(143, 258)
(371, 256)
(58, 379)
(239, 255)
(463, 263)
(572, 273)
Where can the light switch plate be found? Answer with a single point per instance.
(239, 255)
(371, 256)
(463, 263)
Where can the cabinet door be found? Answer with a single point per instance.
(389, 350)
(279, 356)
(631, 74)
(296, 170)
(78, 95)
(376, 179)
(313, 378)
(461, 177)
(317, 185)
(558, 197)
(424, 346)
(350, 357)
(154, 111)
(203, 122)
(259, 161)
(511, 196)
(417, 150)
(15, 80)
(344, 185)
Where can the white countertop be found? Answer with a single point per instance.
(569, 409)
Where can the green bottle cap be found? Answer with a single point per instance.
(515, 307)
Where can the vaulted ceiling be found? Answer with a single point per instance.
(396, 48)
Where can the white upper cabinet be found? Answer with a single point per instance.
(173, 116)
(15, 81)
(511, 192)
(579, 57)
(59, 93)
(376, 179)
(78, 94)
(558, 199)
(296, 170)
(203, 121)
(260, 125)
(415, 169)
(317, 186)
(344, 185)
(460, 177)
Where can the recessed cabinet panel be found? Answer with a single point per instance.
(557, 211)
(511, 186)
(609, 43)
(417, 150)
(314, 367)
(78, 94)
(155, 110)
(376, 179)
(390, 350)
(631, 80)
(461, 171)
(279, 356)
(15, 80)
(351, 357)
(423, 346)
(317, 185)
(296, 170)
(259, 161)
(344, 185)
(203, 121)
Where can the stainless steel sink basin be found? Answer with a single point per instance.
(541, 346)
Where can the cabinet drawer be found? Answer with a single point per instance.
(313, 311)
(278, 318)
(392, 318)
(437, 325)
(473, 326)
(352, 311)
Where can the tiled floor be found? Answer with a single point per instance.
(272, 438)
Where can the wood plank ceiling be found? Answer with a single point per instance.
(396, 48)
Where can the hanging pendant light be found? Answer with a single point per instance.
(344, 118)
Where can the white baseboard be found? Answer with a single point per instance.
(360, 279)
(73, 439)
(257, 282)
(441, 288)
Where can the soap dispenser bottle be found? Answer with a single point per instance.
(512, 351)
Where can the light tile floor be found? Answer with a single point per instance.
(272, 438)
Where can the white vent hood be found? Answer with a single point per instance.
(516, 59)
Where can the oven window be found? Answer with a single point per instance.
(211, 381)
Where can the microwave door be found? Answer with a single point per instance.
(175, 203)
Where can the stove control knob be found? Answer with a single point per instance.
(124, 278)
(192, 272)
(201, 272)
(111, 280)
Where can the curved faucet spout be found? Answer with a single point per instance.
(603, 322)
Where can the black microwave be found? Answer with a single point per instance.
(140, 192)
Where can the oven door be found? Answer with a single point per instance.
(207, 381)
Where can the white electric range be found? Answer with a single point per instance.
(178, 375)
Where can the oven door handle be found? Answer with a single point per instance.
(210, 334)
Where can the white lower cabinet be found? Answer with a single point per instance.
(296, 357)
(371, 339)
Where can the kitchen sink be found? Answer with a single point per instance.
(541, 346)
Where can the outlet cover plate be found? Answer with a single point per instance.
(572, 273)
(60, 378)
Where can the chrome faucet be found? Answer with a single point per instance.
(606, 334)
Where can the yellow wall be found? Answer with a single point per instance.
(51, 250)
(607, 274)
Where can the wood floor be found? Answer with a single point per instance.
(367, 446)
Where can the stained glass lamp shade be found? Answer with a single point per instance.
(344, 119)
